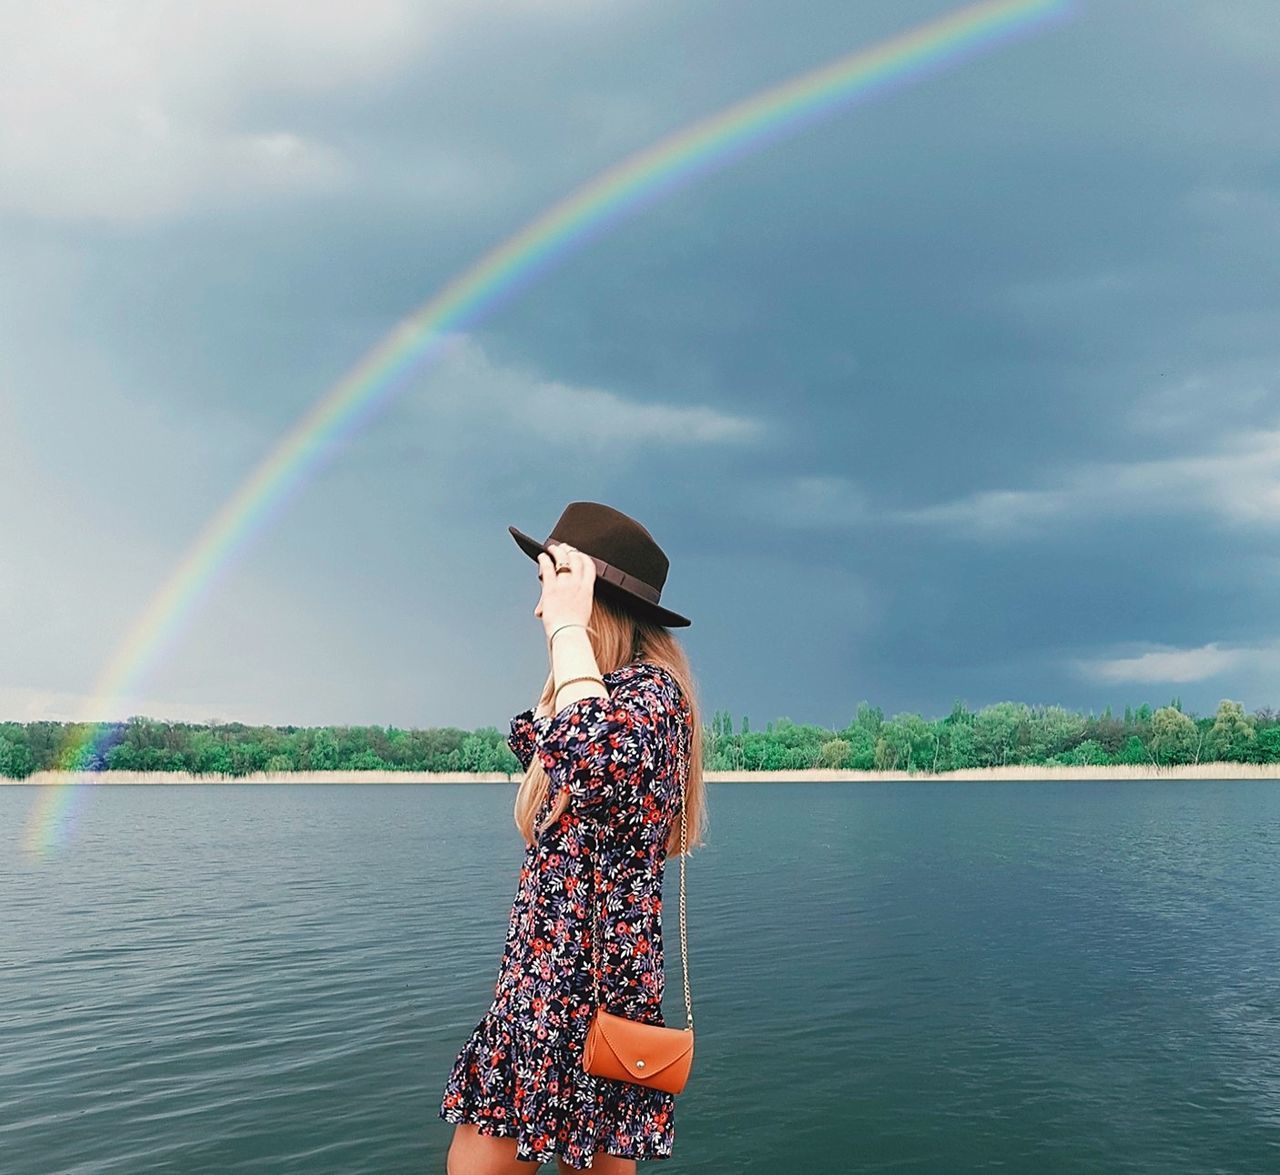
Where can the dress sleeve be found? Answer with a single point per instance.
(599, 749)
(520, 740)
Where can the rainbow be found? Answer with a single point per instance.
(424, 334)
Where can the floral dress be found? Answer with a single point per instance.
(519, 1074)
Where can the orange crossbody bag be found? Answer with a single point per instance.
(632, 1050)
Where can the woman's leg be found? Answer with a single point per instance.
(473, 1153)
(602, 1164)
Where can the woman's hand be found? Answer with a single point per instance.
(567, 597)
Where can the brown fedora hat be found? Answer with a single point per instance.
(625, 555)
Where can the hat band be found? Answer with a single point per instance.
(637, 587)
(615, 575)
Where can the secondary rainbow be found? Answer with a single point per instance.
(421, 337)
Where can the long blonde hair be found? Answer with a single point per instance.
(619, 637)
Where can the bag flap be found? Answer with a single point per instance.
(632, 1042)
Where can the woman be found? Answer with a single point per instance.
(607, 758)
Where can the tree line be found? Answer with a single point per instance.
(1002, 734)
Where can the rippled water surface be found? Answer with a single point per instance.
(906, 977)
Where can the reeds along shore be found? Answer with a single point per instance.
(1206, 771)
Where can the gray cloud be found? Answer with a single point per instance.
(1173, 665)
(982, 371)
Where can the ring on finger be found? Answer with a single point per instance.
(565, 566)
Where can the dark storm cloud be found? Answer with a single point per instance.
(982, 353)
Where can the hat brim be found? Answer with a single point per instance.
(655, 613)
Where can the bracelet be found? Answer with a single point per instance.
(571, 624)
(573, 679)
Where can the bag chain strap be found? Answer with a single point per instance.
(684, 945)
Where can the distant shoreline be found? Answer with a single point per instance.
(1206, 771)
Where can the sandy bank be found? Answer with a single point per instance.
(1203, 771)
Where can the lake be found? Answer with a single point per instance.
(908, 977)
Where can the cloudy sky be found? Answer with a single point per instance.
(967, 391)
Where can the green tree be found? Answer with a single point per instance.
(998, 731)
(323, 753)
(368, 760)
(477, 754)
(958, 747)
(1107, 732)
(1232, 736)
(1267, 744)
(960, 715)
(905, 743)
(1134, 752)
(1174, 737)
(1051, 730)
(834, 754)
(869, 717)
(1086, 754)
(862, 748)
(212, 757)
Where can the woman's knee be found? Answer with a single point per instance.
(473, 1153)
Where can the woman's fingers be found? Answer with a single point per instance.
(566, 598)
(588, 567)
(584, 570)
(580, 561)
